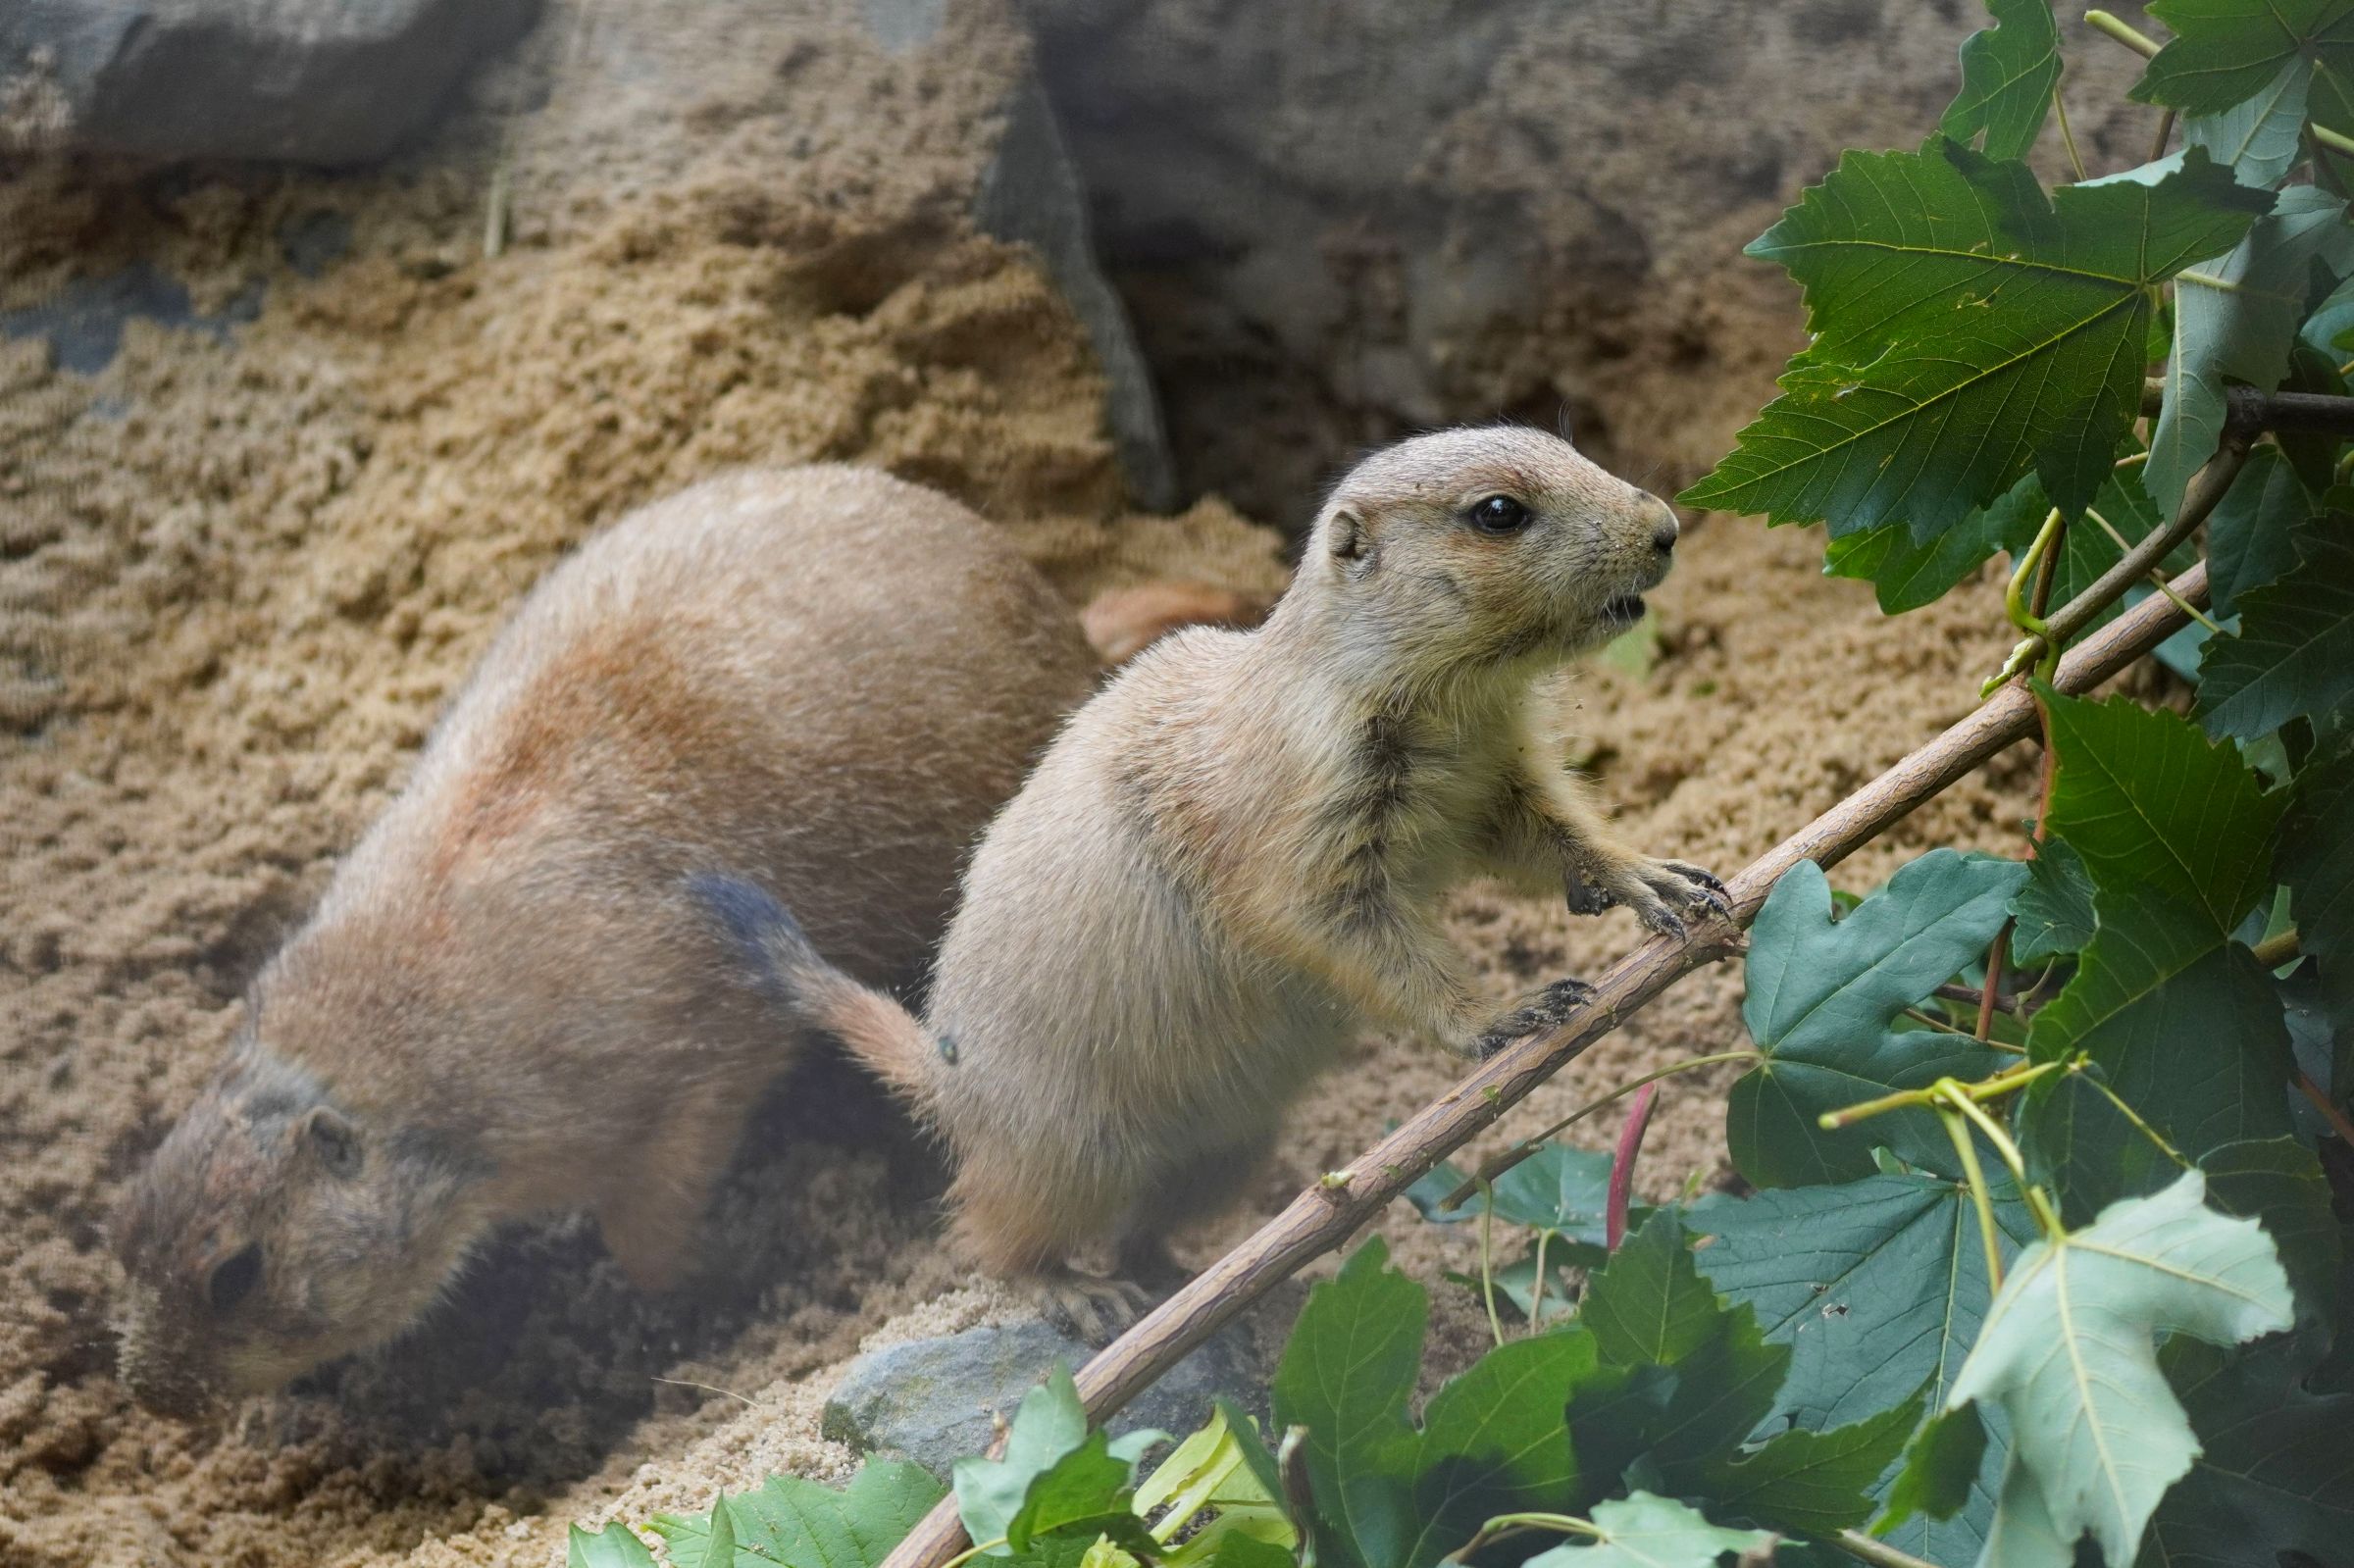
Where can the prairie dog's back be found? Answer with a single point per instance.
(667, 698)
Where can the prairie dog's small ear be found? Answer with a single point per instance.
(1351, 540)
(331, 1134)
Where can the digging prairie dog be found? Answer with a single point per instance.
(1235, 856)
(522, 992)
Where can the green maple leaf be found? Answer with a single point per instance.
(2274, 1471)
(2180, 1023)
(610, 1548)
(802, 1524)
(2142, 796)
(2277, 1182)
(2260, 137)
(1967, 330)
(1878, 1288)
(1648, 1531)
(2236, 316)
(1910, 575)
(1056, 1477)
(2008, 74)
(2053, 912)
(2225, 52)
(2316, 859)
(2249, 535)
(1814, 1483)
(2068, 1352)
(2295, 652)
(1823, 997)
(1682, 1375)
(1491, 1441)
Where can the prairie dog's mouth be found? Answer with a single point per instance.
(1624, 610)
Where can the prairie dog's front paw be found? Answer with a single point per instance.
(1547, 1008)
(1660, 892)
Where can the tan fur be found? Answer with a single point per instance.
(511, 1000)
(1236, 854)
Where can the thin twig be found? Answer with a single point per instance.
(2166, 131)
(1498, 1164)
(1318, 1220)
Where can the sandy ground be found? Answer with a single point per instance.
(240, 567)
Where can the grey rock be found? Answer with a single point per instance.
(328, 85)
(934, 1400)
(1030, 194)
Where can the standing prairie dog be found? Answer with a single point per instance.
(522, 992)
(1236, 853)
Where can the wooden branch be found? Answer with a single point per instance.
(2249, 412)
(1325, 1215)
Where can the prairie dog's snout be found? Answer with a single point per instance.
(1491, 543)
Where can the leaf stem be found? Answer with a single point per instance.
(2067, 138)
(1487, 1258)
(1536, 1294)
(1980, 1198)
(1512, 1524)
(970, 1552)
(2157, 576)
(1968, 1105)
(2166, 129)
(1501, 1163)
(2008, 1079)
(2077, 1068)
(2142, 43)
(1878, 1554)
(1931, 1021)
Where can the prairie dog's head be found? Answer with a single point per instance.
(273, 1231)
(1487, 546)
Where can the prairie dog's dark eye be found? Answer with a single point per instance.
(235, 1277)
(1499, 514)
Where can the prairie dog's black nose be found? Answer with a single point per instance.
(1663, 528)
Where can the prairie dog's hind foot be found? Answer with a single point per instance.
(1660, 892)
(1549, 1007)
(1087, 1307)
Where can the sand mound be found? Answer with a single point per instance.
(242, 565)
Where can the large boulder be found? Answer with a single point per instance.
(294, 80)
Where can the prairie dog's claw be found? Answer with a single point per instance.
(1549, 1007)
(1656, 891)
(1087, 1307)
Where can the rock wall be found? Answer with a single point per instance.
(1337, 222)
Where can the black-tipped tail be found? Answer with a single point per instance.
(888, 1039)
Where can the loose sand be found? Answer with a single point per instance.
(240, 568)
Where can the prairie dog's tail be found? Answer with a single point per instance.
(890, 1042)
